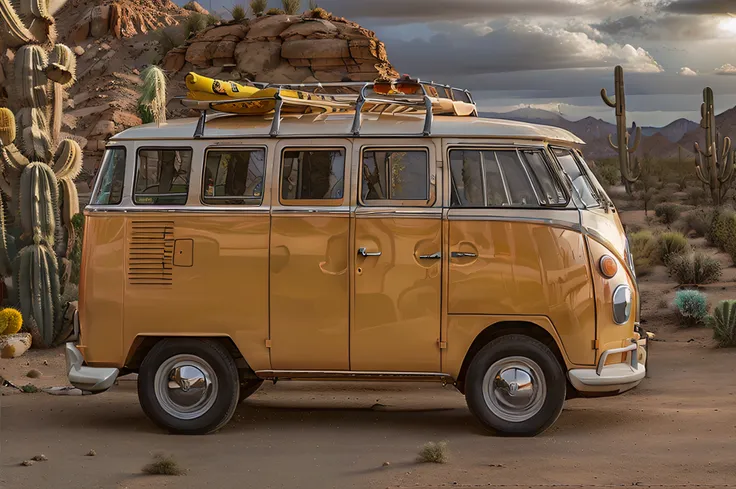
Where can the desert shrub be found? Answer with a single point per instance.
(291, 7)
(435, 453)
(694, 269)
(670, 244)
(695, 195)
(166, 42)
(722, 228)
(646, 198)
(723, 322)
(195, 23)
(275, 11)
(691, 307)
(238, 13)
(642, 246)
(607, 172)
(667, 212)
(258, 6)
(698, 221)
(163, 465)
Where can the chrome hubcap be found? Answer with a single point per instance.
(514, 389)
(185, 386)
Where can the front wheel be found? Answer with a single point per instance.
(189, 386)
(515, 386)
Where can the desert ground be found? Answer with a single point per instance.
(677, 429)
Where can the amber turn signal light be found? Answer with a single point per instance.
(608, 266)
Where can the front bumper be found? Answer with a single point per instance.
(88, 379)
(616, 378)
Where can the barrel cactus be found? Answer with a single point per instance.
(38, 194)
(10, 321)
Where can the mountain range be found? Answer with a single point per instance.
(657, 142)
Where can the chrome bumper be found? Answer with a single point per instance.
(618, 377)
(89, 379)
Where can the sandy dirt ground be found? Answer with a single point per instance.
(677, 429)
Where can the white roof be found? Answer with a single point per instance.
(339, 125)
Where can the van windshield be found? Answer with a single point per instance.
(579, 177)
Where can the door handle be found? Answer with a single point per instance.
(362, 252)
(433, 256)
(462, 254)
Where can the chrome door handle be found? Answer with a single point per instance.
(362, 252)
(461, 254)
(433, 256)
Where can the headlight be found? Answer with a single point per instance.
(621, 304)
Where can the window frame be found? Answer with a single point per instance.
(313, 202)
(554, 174)
(583, 171)
(431, 187)
(98, 179)
(531, 176)
(137, 170)
(234, 148)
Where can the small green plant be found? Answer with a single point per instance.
(195, 23)
(29, 389)
(275, 11)
(258, 7)
(212, 19)
(667, 212)
(698, 221)
(163, 465)
(723, 322)
(670, 244)
(643, 247)
(694, 269)
(11, 320)
(291, 7)
(691, 307)
(433, 453)
(238, 13)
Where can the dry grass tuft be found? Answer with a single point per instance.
(433, 453)
(163, 465)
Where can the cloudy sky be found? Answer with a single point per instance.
(558, 54)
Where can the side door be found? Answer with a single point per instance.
(397, 260)
(309, 280)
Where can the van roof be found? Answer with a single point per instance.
(338, 125)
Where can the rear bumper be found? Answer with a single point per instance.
(88, 379)
(616, 378)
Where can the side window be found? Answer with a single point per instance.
(580, 180)
(490, 179)
(548, 187)
(313, 175)
(394, 175)
(112, 178)
(233, 176)
(162, 176)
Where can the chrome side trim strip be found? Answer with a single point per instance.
(559, 223)
(188, 209)
(348, 374)
(634, 360)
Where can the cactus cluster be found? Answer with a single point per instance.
(39, 196)
(629, 164)
(714, 165)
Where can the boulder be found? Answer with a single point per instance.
(14, 345)
(367, 49)
(100, 23)
(257, 57)
(196, 7)
(174, 60)
(197, 54)
(82, 29)
(284, 73)
(316, 48)
(223, 49)
(224, 62)
(327, 63)
(237, 31)
(103, 129)
(125, 119)
(78, 50)
(347, 31)
(313, 28)
(271, 26)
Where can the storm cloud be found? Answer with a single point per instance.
(701, 7)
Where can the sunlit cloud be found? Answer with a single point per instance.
(685, 71)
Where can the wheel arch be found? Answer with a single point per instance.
(142, 345)
(503, 328)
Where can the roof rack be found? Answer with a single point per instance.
(427, 97)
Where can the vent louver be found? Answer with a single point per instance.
(151, 252)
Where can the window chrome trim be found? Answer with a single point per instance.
(188, 209)
(103, 167)
(136, 171)
(234, 148)
(312, 202)
(431, 172)
(523, 162)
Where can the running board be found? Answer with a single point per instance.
(353, 375)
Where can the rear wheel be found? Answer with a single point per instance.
(188, 386)
(515, 386)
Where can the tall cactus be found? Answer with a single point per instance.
(629, 164)
(38, 196)
(714, 166)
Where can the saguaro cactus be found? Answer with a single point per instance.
(39, 197)
(714, 165)
(629, 164)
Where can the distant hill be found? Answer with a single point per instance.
(658, 142)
